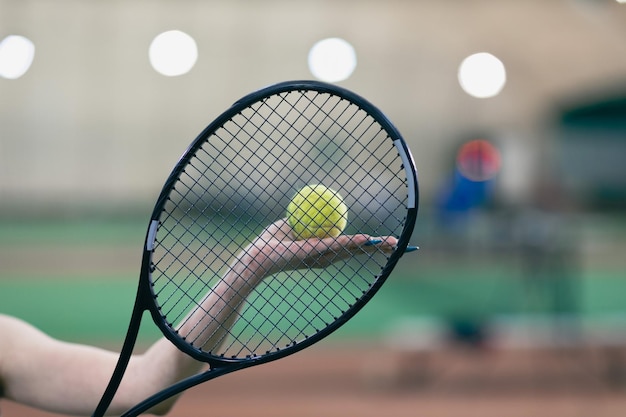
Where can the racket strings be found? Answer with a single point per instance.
(285, 322)
(315, 124)
(222, 332)
(311, 320)
(184, 240)
(238, 182)
(286, 303)
(193, 284)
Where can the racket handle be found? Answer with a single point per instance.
(122, 363)
(179, 387)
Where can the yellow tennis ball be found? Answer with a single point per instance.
(317, 211)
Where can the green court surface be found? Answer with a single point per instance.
(96, 306)
(102, 230)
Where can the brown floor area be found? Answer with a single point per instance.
(331, 381)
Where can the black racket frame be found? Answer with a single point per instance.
(145, 296)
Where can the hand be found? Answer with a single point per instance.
(276, 249)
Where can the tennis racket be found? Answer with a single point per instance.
(221, 274)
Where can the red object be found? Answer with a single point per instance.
(478, 160)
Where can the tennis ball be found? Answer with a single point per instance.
(317, 211)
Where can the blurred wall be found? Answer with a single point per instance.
(92, 122)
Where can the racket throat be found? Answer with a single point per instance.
(124, 359)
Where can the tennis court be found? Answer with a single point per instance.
(396, 358)
(515, 116)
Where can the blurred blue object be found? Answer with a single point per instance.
(459, 196)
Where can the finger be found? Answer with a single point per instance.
(386, 244)
(356, 244)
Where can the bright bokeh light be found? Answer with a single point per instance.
(16, 56)
(173, 53)
(478, 160)
(482, 75)
(332, 60)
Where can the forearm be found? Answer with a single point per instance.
(45, 373)
(68, 378)
(208, 325)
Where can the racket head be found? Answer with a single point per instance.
(238, 176)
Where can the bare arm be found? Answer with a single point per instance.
(46, 373)
(274, 250)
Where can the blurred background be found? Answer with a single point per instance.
(515, 112)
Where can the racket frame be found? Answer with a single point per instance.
(222, 365)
